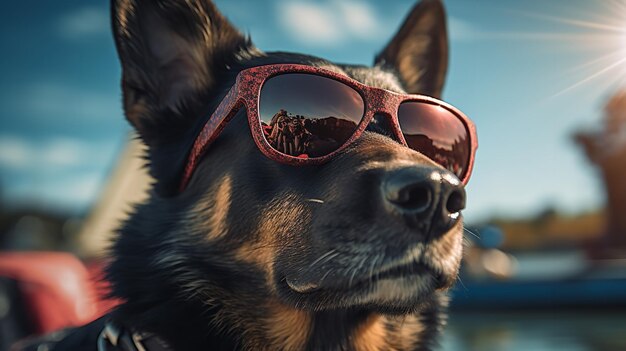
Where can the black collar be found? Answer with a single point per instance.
(117, 338)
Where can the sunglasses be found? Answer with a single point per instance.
(304, 115)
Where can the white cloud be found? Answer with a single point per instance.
(65, 152)
(15, 153)
(52, 155)
(48, 98)
(84, 23)
(58, 171)
(74, 191)
(358, 17)
(310, 22)
(328, 23)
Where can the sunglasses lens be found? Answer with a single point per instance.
(437, 133)
(308, 116)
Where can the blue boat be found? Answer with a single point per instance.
(561, 279)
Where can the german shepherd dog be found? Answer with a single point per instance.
(257, 253)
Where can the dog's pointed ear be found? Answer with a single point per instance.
(419, 50)
(171, 52)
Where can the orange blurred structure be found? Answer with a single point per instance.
(606, 149)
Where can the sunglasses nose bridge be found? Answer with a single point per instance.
(384, 104)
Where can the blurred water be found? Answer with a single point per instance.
(536, 331)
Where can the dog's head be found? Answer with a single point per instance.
(378, 226)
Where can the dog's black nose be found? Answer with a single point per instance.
(429, 199)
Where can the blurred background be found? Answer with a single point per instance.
(545, 267)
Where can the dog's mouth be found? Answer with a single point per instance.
(387, 276)
(402, 273)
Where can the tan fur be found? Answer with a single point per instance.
(371, 336)
(259, 254)
(405, 337)
(126, 6)
(279, 223)
(218, 213)
(273, 326)
(287, 328)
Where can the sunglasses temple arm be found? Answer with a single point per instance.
(211, 130)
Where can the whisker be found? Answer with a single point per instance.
(463, 285)
(329, 252)
(356, 269)
(325, 275)
(352, 276)
(318, 201)
(371, 275)
(472, 233)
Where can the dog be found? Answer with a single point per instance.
(249, 239)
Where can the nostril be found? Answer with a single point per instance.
(456, 201)
(426, 199)
(416, 197)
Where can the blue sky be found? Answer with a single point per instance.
(516, 69)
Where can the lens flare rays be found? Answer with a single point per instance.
(600, 35)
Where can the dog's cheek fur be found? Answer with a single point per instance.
(282, 226)
(249, 208)
(235, 226)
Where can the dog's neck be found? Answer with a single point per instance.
(350, 329)
(276, 326)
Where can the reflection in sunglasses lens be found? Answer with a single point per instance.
(437, 133)
(307, 116)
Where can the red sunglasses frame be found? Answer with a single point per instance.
(246, 90)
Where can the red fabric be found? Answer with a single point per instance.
(96, 272)
(57, 288)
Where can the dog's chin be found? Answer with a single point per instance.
(397, 291)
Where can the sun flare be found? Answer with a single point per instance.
(600, 35)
